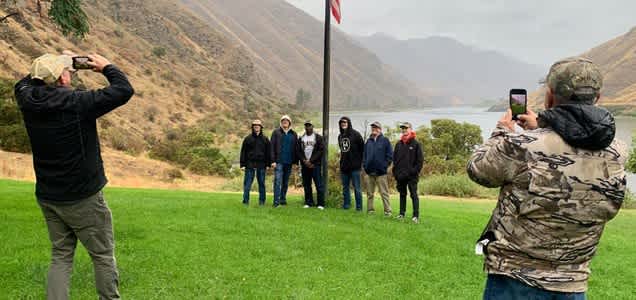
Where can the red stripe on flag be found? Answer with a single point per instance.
(335, 10)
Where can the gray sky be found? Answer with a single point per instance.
(535, 31)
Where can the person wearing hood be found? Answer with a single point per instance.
(62, 127)
(351, 151)
(284, 142)
(561, 180)
(311, 149)
(408, 160)
(255, 158)
(378, 156)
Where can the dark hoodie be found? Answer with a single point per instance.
(62, 127)
(351, 148)
(581, 126)
(255, 151)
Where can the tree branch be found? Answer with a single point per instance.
(8, 16)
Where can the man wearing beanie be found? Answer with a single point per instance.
(284, 142)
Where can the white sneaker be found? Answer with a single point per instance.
(416, 220)
(321, 208)
(306, 206)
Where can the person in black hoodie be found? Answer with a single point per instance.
(311, 149)
(62, 128)
(255, 158)
(284, 155)
(351, 146)
(408, 160)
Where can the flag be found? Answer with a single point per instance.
(335, 10)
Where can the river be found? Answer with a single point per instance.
(474, 115)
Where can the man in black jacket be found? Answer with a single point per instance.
(351, 151)
(311, 148)
(61, 124)
(408, 161)
(255, 158)
(284, 155)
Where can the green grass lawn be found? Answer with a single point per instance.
(191, 245)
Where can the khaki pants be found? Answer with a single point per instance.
(90, 222)
(383, 184)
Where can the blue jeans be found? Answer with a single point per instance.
(315, 175)
(347, 178)
(499, 287)
(281, 182)
(247, 184)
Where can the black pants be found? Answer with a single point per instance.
(412, 188)
(315, 175)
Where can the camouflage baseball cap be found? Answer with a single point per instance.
(49, 67)
(575, 79)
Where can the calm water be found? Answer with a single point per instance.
(478, 116)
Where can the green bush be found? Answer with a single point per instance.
(334, 197)
(159, 51)
(13, 134)
(192, 149)
(455, 186)
(122, 140)
(630, 200)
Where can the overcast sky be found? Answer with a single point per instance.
(535, 31)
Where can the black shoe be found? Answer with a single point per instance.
(283, 203)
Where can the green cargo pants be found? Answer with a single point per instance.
(90, 221)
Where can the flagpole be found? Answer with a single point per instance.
(325, 97)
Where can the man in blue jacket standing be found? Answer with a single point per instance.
(378, 155)
(284, 142)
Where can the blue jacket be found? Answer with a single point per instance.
(378, 155)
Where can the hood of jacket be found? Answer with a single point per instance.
(41, 98)
(581, 126)
(345, 131)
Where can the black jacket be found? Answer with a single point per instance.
(276, 142)
(318, 152)
(408, 160)
(255, 151)
(62, 128)
(582, 126)
(351, 148)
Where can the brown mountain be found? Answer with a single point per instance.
(617, 60)
(286, 44)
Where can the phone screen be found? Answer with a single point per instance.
(80, 63)
(518, 103)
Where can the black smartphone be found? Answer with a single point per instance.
(518, 102)
(81, 63)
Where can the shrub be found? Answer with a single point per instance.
(197, 100)
(159, 51)
(334, 197)
(122, 140)
(455, 186)
(173, 174)
(630, 200)
(13, 134)
(151, 113)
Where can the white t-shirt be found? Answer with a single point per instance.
(309, 141)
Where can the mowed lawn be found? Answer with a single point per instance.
(191, 245)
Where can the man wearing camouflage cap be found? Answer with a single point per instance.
(62, 128)
(561, 180)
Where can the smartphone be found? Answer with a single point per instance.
(81, 63)
(518, 102)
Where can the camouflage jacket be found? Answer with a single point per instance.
(553, 205)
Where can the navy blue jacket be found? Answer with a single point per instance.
(378, 155)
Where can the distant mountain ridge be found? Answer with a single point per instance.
(452, 70)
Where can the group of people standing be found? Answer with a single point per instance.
(286, 148)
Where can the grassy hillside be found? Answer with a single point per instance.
(190, 245)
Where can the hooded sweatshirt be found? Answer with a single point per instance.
(62, 128)
(255, 151)
(351, 148)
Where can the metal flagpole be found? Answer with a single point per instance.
(325, 97)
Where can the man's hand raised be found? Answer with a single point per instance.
(98, 62)
(528, 121)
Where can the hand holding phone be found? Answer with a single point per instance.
(518, 102)
(81, 63)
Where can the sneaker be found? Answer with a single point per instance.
(400, 217)
(306, 206)
(284, 203)
(416, 220)
(321, 208)
(371, 212)
(387, 214)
